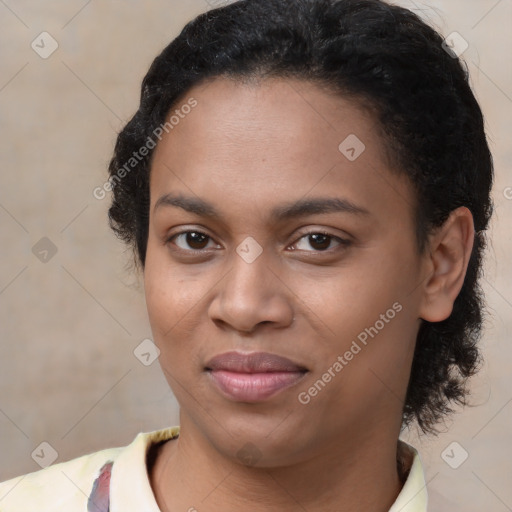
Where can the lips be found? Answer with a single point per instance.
(253, 377)
(255, 362)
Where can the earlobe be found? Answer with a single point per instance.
(447, 261)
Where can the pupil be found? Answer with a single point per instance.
(195, 238)
(325, 239)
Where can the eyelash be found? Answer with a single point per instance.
(343, 243)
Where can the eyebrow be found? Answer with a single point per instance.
(300, 208)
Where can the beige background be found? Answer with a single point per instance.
(68, 375)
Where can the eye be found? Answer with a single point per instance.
(195, 240)
(320, 241)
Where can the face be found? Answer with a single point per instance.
(277, 227)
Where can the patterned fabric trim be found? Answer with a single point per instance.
(99, 499)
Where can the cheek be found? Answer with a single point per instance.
(369, 301)
(161, 300)
(377, 328)
(167, 312)
(169, 296)
(175, 306)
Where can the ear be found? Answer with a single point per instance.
(446, 264)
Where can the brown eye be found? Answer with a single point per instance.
(320, 241)
(191, 240)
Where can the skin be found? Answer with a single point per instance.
(246, 149)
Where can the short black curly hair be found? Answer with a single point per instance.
(384, 57)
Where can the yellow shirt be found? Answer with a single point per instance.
(66, 487)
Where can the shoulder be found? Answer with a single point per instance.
(64, 484)
(68, 485)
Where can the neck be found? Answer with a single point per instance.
(190, 474)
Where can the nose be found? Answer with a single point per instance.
(250, 295)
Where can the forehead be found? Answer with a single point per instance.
(278, 138)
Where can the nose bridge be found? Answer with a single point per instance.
(250, 292)
(250, 274)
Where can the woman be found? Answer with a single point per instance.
(306, 187)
